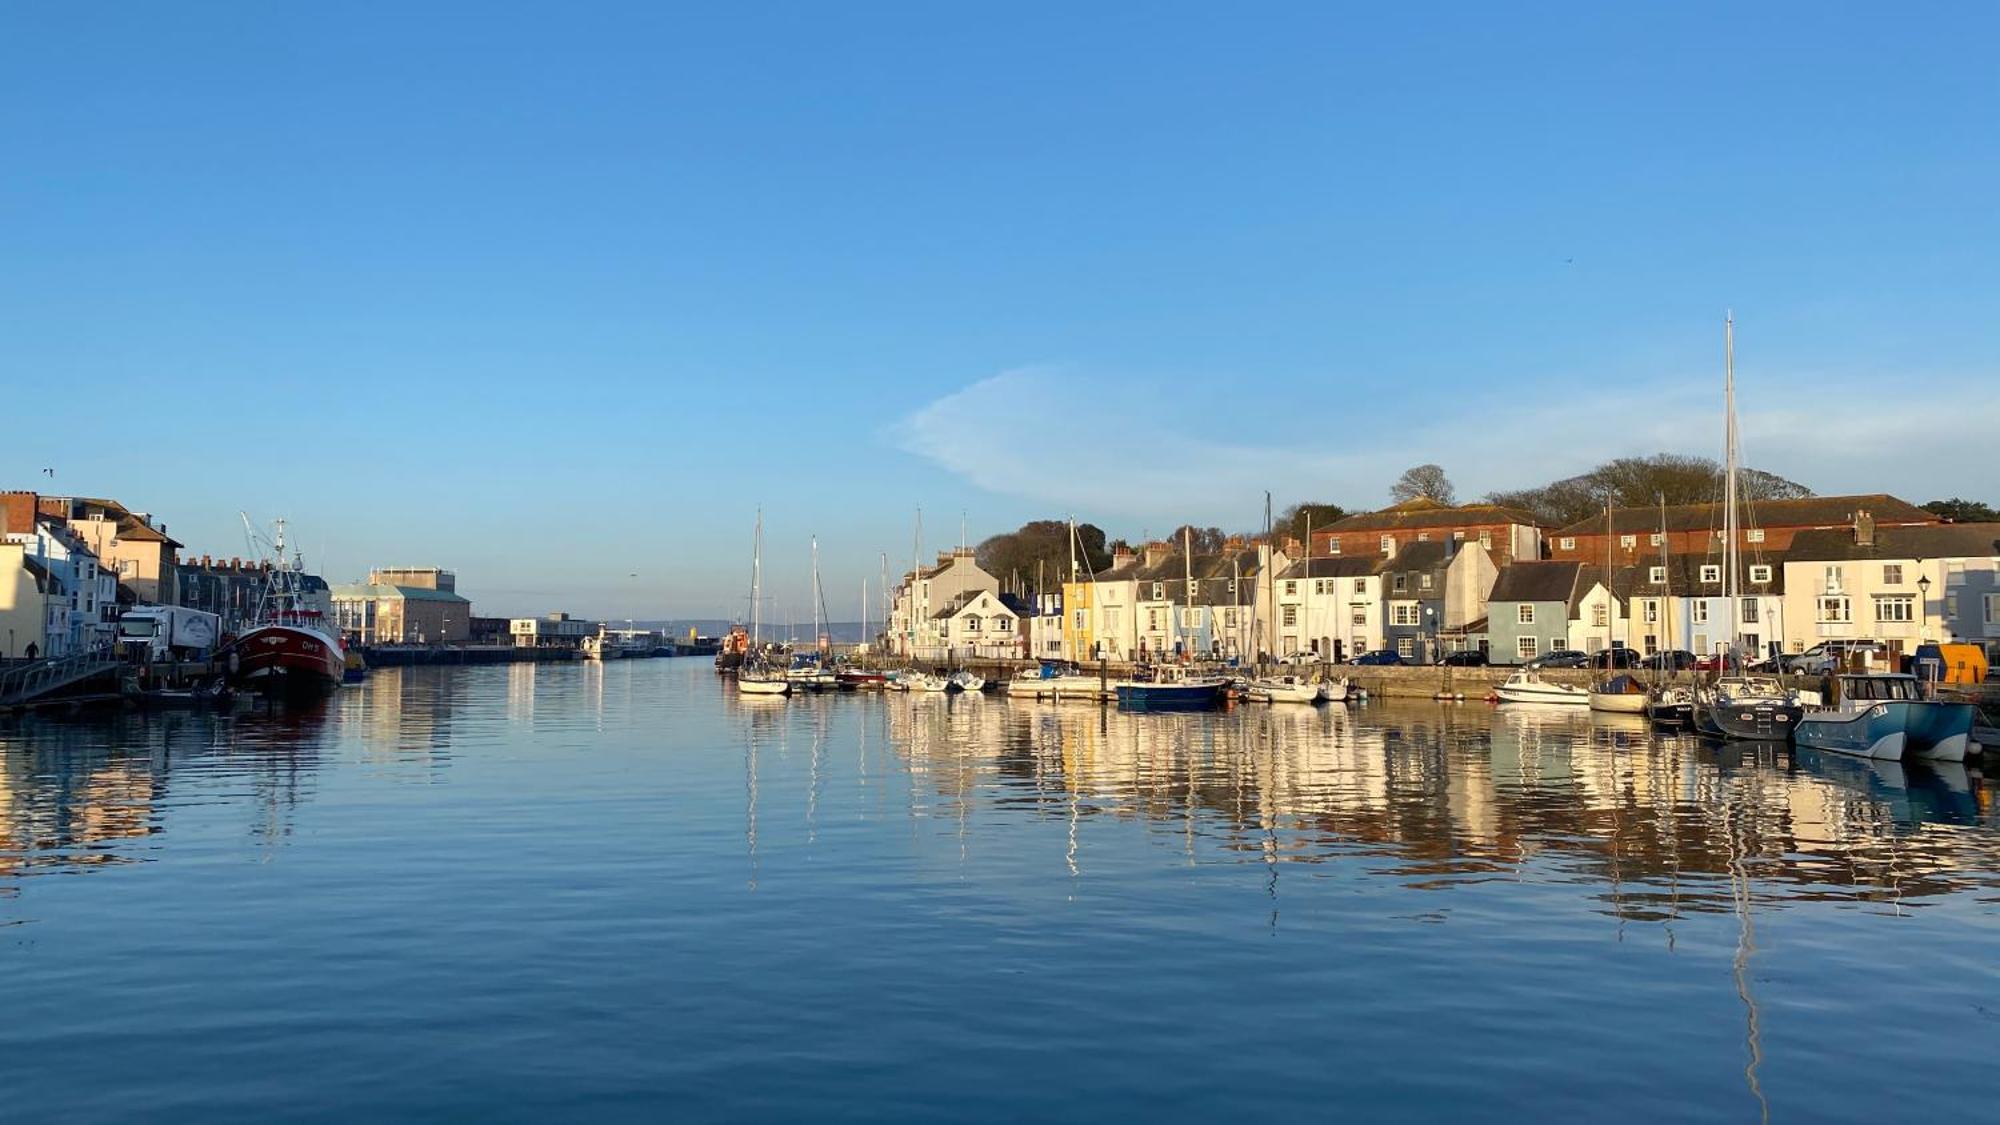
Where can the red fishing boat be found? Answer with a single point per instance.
(292, 649)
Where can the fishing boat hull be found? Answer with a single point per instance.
(1941, 732)
(858, 680)
(1879, 732)
(292, 660)
(750, 682)
(1058, 687)
(1170, 697)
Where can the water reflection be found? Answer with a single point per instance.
(87, 792)
(1446, 794)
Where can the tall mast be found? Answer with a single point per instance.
(757, 582)
(1667, 587)
(1187, 578)
(916, 576)
(1729, 523)
(816, 597)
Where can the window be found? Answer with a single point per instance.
(1333, 545)
(1700, 612)
(1760, 574)
(1834, 610)
(1190, 618)
(1406, 647)
(1423, 536)
(1895, 608)
(1111, 619)
(1656, 539)
(1388, 544)
(1291, 615)
(1486, 540)
(1193, 588)
(1600, 615)
(1755, 535)
(1405, 613)
(1657, 575)
(1749, 611)
(1711, 574)
(1830, 579)
(1567, 543)
(1399, 584)
(1319, 585)
(1628, 541)
(1424, 582)
(1892, 574)
(1524, 615)
(1359, 617)
(1524, 647)
(1361, 585)
(972, 624)
(1652, 611)
(1291, 588)
(1993, 609)
(1152, 621)
(1079, 618)
(1558, 644)
(1160, 590)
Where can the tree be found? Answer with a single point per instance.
(1963, 511)
(1042, 547)
(1297, 519)
(1641, 482)
(1205, 540)
(1425, 481)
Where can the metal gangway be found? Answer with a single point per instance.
(23, 683)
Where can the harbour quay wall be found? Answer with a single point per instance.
(1424, 681)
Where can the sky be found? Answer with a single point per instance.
(559, 296)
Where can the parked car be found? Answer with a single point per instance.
(1379, 656)
(1465, 658)
(1560, 658)
(1827, 655)
(1671, 660)
(1616, 658)
(1718, 662)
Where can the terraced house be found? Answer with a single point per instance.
(1506, 534)
(1901, 585)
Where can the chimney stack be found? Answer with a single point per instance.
(1122, 557)
(1864, 529)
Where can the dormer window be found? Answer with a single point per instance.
(1333, 545)
(1628, 541)
(1388, 544)
(1657, 576)
(1567, 543)
(1755, 535)
(1711, 574)
(1760, 574)
(1159, 590)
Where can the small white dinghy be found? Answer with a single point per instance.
(1282, 689)
(965, 681)
(922, 681)
(1527, 686)
(1336, 690)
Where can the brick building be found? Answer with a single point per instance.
(1507, 534)
(1696, 529)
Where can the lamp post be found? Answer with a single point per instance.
(1923, 607)
(1430, 626)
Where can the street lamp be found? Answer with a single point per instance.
(1924, 607)
(1430, 626)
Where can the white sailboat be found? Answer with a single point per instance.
(755, 676)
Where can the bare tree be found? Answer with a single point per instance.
(1425, 481)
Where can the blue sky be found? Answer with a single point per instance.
(558, 295)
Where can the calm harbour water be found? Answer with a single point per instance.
(514, 893)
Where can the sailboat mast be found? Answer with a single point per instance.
(1729, 522)
(816, 597)
(757, 581)
(1187, 580)
(916, 572)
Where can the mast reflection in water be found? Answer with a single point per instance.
(620, 890)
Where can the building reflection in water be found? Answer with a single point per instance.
(1445, 794)
(77, 794)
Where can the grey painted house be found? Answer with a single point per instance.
(1528, 612)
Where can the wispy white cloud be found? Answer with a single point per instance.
(1086, 442)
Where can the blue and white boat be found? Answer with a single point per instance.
(1171, 689)
(1886, 716)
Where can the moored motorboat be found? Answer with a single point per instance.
(1886, 716)
(962, 680)
(1170, 689)
(1527, 686)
